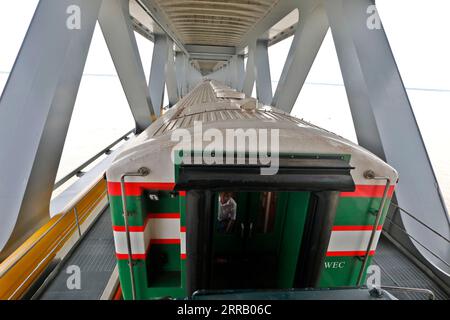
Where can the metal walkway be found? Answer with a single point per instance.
(95, 257)
(398, 270)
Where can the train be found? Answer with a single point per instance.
(224, 194)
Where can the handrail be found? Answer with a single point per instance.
(420, 222)
(77, 170)
(391, 222)
(55, 247)
(42, 236)
(431, 295)
(371, 175)
(140, 173)
(65, 213)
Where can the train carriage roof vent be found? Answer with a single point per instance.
(250, 104)
(229, 94)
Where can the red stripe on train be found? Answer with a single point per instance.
(348, 253)
(355, 228)
(135, 188)
(168, 215)
(165, 241)
(368, 191)
(134, 256)
(130, 228)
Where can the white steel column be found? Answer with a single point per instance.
(385, 122)
(157, 73)
(263, 79)
(115, 22)
(181, 62)
(249, 79)
(35, 111)
(171, 82)
(308, 38)
(239, 72)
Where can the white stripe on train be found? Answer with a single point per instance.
(342, 242)
(157, 230)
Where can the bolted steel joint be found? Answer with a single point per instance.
(369, 174)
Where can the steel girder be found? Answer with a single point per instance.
(171, 81)
(249, 79)
(35, 111)
(157, 72)
(382, 114)
(114, 20)
(385, 124)
(305, 45)
(262, 70)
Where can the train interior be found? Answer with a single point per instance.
(241, 240)
(252, 245)
(270, 232)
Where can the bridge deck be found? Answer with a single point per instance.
(96, 259)
(398, 270)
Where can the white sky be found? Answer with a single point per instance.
(419, 36)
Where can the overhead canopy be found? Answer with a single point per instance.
(211, 31)
(209, 22)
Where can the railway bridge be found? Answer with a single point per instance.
(44, 230)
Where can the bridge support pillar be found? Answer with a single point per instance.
(181, 64)
(157, 73)
(249, 79)
(262, 69)
(386, 125)
(171, 81)
(35, 111)
(306, 43)
(238, 71)
(114, 20)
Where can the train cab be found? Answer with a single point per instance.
(214, 220)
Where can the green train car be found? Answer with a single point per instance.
(189, 218)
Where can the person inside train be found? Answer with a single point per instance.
(227, 212)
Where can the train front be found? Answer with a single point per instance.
(223, 207)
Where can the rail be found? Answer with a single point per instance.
(78, 170)
(140, 173)
(371, 175)
(391, 222)
(420, 222)
(429, 293)
(56, 246)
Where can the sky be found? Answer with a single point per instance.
(418, 32)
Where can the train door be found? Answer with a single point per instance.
(228, 235)
(272, 239)
(252, 240)
(266, 212)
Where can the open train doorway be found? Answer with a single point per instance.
(247, 231)
(269, 233)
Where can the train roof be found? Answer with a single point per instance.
(218, 107)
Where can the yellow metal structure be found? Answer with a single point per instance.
(19, 271)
